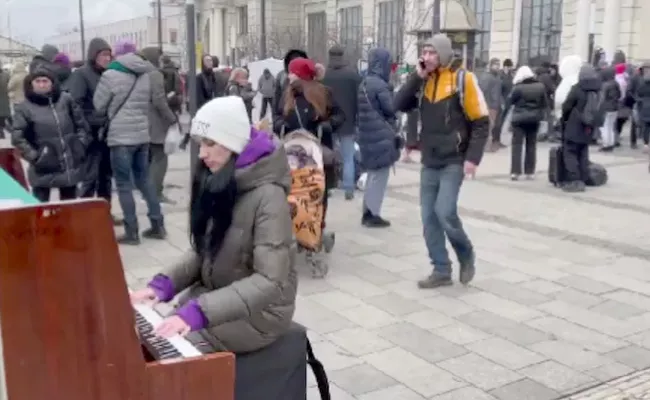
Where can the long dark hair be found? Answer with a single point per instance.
(211, 207)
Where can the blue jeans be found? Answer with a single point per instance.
(131, 166)
(346, 143)
(439, 189)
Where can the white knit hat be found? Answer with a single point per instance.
(223, 120)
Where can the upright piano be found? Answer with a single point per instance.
(69, 331)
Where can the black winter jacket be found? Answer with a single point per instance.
(572, 127)
(611, 90)
(343, 81)
(529, 101)
(50, 132)
(283, 124)
(82, 84)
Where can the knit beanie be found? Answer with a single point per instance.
(223, 120)
(123, 47)
(62, 59)
(303, 68)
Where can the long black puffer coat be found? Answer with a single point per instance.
(51, 133)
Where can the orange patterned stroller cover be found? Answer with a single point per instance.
(307, 187)
(306, 204)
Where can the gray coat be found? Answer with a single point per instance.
(5, 109)
(490, 84)
(266, 85)
(50, 133)
(161, 116)
(248, 290)
(131, 124)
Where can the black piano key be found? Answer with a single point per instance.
(159, 347)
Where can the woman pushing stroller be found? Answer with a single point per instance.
(308, 105)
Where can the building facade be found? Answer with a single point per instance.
(522, 30)
(12, 51)
(142, 31)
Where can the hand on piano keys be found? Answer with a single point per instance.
(161, 348)
(144, 296)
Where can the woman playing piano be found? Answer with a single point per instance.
(240, 270)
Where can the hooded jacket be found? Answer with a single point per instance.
(569, 69)
(128, 113)
(266, 85)
(343, 81)
(45, 61)
(643, 94)
(377, 118)
(161, 116)
(453, 131)
(15, 85)
(246, 294)
(611, 90)
(51, 134)
(529, 98)
(573, 128)
(282, 78)
(83, 83)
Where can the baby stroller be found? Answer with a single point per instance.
(306, 196)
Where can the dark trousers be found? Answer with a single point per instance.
(645, 132)
(65, 193)
(158, 162)
(524, 139)
(97, 173)
(266, 102)
(576, 161)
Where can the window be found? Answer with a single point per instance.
(541, 31)
(351, 32)
(483, 11)
(242, 14)
(317, 36)
(173, 36)
(390, 29)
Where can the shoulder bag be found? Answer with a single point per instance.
(400, 140)
(103, 131)
(329, 156)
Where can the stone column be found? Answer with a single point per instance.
(611, 29)
(516, 32)
(582, 25)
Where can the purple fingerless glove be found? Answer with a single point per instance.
(192, 315)
(163, 287)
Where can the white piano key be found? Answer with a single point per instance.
(181, 344)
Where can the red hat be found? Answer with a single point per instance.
(620, 68)
(303, 68)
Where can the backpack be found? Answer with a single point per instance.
(592, 114)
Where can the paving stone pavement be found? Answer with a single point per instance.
(560, 307)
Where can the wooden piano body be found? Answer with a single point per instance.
(10, 161)
(67, 323)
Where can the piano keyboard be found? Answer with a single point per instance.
(146, 319)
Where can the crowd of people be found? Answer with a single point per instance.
(108, 120)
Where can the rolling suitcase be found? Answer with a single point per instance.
(556, 171)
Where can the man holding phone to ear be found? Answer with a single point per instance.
(455, 128)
